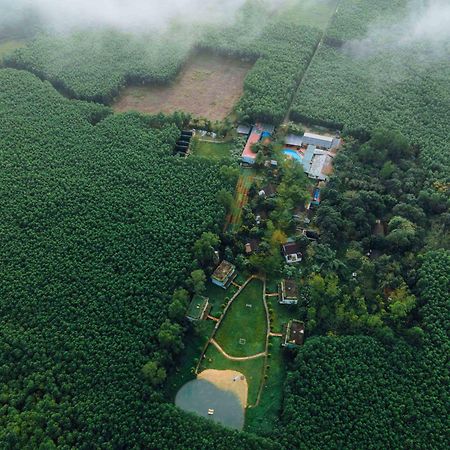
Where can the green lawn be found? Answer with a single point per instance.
(315, 14)
(281, 314)
(8, 46)
(194, 341)
(218, 296)
(244, 322)
(252, 369)
(212, 150)
(263, 418)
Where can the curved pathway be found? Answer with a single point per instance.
(236, 358)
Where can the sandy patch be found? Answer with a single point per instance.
(227, 380)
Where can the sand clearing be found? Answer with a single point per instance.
(227, 380)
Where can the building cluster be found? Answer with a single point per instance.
(315, 152)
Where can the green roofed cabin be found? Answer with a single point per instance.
(288, 292)
(198, 309)
(294, 334)
(224, 274)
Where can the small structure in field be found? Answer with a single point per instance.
(198, 308)
(292, 253)
(224, 274)
(288, 292)
(294, 334)
(267, 191)
(252, 246)
(243, 130)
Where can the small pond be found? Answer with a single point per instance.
(197, 396)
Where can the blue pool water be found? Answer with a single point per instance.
(293, 154)
(197, 396)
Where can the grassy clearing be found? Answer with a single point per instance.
(207, 86)
(263, 418)
(7, 47)
(195, 340)
(252, 369)
(314, 13)
(212, 150)
(218, 297)
(244, 322)
(281, 314)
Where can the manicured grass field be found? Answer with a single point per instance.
(246, 319)
(281, 314)
(212, 150)
(262, 418)
(218, 296)
(252, 369)
(195, 339)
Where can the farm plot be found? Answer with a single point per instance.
(208, 86)
(243, 329)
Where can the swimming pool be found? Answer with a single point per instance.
(199, 396)
(292, 154)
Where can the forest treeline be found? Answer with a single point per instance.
(97, 227)
(356, 392)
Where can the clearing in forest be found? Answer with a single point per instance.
(243, 330)
(208, 86)
(252, 369)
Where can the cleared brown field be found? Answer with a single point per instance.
(208, 86)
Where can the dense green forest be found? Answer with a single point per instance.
(89, 212)
(355, 392)
(100, 223)
(96, 65)
(378, 82)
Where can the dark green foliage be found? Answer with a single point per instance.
(96, 65)
(353, 392)
(379, 82)
(97, 227)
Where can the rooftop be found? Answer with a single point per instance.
(295, 333)
(318, 137)
(291, 248)
(290, 289)
(293, 139)
(223, 270)
(243, 129)
(197, 307)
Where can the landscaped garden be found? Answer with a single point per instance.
(243, 329)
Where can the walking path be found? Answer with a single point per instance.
(215, 319)
(276, 334)
(235, 358)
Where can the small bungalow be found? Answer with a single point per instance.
(267, 191)
(252, 246)
(243, 130)
(294, 334)
(288, 292)
(224, 274)
(198, 308)
(291, 252)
